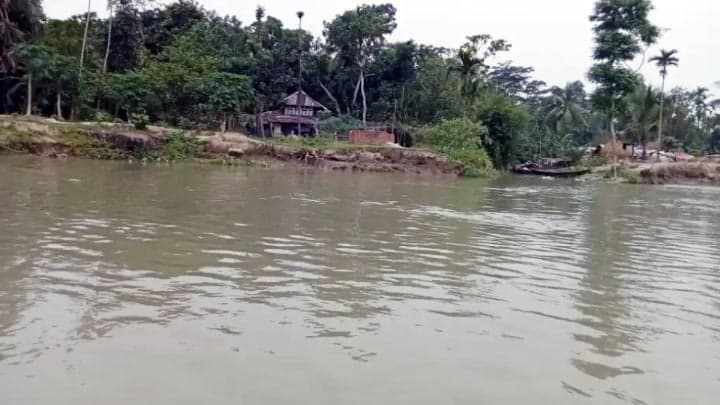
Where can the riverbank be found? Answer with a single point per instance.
(701, 172)
(51, 138)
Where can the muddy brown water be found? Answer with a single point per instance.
(183, 284)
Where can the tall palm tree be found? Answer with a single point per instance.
(665, 60)
(566, 106)
(699, 98)
(643, 114)
(468, 67)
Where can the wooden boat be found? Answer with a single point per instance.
(551, 168)
(562, 172)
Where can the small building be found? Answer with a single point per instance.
(299, 114)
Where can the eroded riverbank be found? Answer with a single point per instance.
(116, 141)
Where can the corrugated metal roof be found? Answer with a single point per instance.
(302, 99)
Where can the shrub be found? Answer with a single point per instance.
(339, 125)
(102, 116)
(632, 176)
(140, 120)
(461, 139)
(179, 146)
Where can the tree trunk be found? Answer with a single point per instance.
(614, 136)
(109, 38)
(260, 122)
(29, 95)
(660, 123)
(223, 124)
(364, 98)
(355, 94)
(59, 105)
(334, 100)
(85, 35)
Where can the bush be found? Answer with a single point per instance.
(339, 125)
(595, 161)
(102, 116)
(461, 139)
(140, 121)
(179, 146)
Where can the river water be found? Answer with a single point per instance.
(181, 284)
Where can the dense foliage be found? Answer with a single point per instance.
(184, 66)
(461, 139)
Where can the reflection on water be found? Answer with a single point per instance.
(184, 284)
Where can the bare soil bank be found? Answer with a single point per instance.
(705, 172)
(52, 138)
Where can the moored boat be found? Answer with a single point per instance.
(551, 168)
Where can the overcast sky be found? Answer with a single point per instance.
(554, 36)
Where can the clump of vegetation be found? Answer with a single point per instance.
(140, 121)
(339, 125)
(317, 142)
(102, 116)
(629, 174)
(595, 161)
(461, 139)
(179, 146)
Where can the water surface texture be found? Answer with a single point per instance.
(185, 284)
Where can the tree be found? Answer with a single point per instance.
(505, 120)
(226, 93)
(515, 81)
(621, 26)
(699, 98)
(358, 35)
(17, 19)
(664, 61)
(36, 61)
(110, 8)
(161, 27)
(124, 36)
(132, 90)
(471, 62)
(643, 106)
(85, 37)
(566, 105)
(63, 77)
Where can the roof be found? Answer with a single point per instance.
(302, 99)
(277, 117)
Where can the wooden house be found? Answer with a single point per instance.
(298, 114)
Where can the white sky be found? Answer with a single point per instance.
(554, 36)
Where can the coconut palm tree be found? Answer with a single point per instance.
(643, 105)
(665, 60)
(699, 98)
(468, 67)
(566, 107)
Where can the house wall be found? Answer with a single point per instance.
(370, 136)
